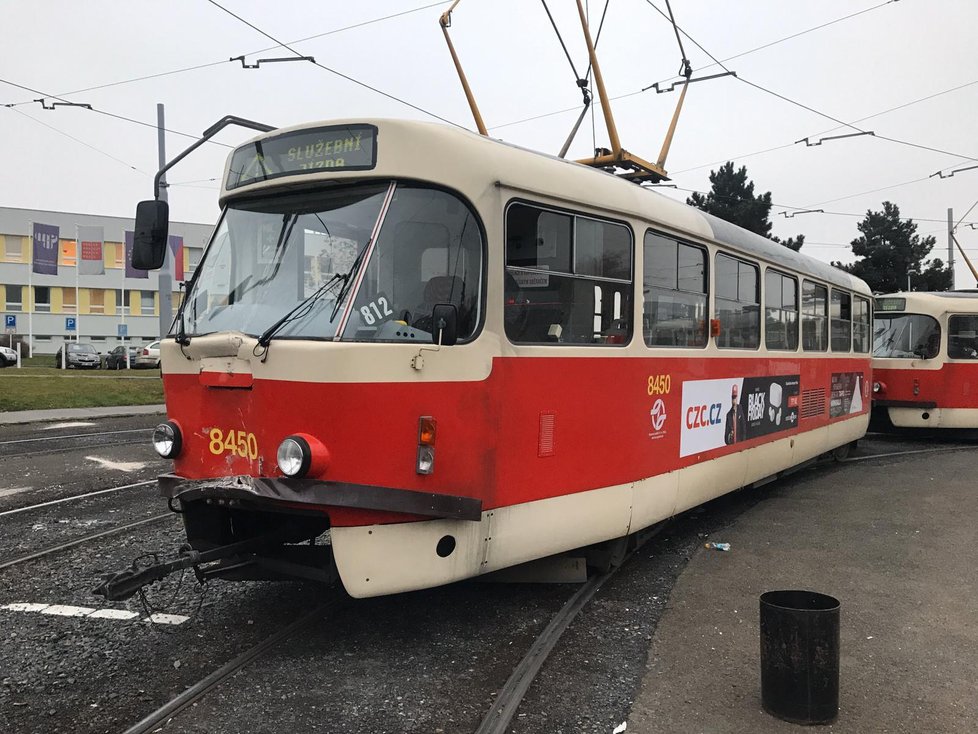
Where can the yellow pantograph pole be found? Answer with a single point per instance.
(609, 119)
(445, 21)
(966, 258)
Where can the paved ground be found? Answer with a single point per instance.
(894, 541)
(13, 417)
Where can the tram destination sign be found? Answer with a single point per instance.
(337, 147)
(891, 304)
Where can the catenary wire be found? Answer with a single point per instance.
(335, 72)
(226, 61)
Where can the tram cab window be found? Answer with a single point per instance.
(861, 325)
(737, 303)
(905, 336)
(841, 320)
(814, 317)
(429, 252)
(675, 290)
(568, 278)
(780, 311)
(962, 337)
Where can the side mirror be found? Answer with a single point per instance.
(149, 239)
(444, 323)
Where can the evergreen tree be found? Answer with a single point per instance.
(890, 249)
(732, 198)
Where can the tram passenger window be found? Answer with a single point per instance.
(738, 305)
(780, 311)
(675, 293)
(841, 319)
(962, 334)
(814, 317)
(568, 278)
(861, 325)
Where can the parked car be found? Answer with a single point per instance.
(116, 359)
(8, 357)
(149, 356)
(80, 356)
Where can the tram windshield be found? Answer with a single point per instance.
(300, 256)
(905, 336)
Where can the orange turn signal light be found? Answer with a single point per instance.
(426, 430)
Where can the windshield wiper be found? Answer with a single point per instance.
(294, 314)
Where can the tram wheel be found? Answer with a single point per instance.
(841, 453)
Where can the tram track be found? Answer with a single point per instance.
(909, 452)
(40, 445)
(200, 689)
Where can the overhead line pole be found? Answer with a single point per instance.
(166, 272)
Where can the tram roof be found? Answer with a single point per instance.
(460, 158)
(933, 301)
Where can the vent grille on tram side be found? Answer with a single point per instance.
(546, 440)
(812, 403)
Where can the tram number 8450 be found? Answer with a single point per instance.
(236, 443)
(660, 384)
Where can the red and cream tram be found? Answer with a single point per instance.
(449, 355)
(925, 359)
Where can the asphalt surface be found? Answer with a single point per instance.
(669, 644)
(892, 540)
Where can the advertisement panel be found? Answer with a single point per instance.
(719, 413)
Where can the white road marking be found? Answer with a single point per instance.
(14, 490)
(25, 607)
(166, 619)
(65, 610)
(127, 466)
(113, 614)
(76, 424)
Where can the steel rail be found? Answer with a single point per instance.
(200, 689)
(55, 437)
(75, 497)
(505, 705)
(886, 454)
(79, 541)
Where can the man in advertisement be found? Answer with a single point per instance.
(735, 428)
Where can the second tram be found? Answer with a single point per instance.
(925, 359)
(448, 355)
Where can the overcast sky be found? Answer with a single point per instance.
(906, 70)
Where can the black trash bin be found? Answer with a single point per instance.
(800, 656)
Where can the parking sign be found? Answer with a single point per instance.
(69, 323)
(10, 323)
(122, 330)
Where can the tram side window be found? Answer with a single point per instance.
(568, 278)
(738, 305)
(675, 288)
(861, 325)
(841, 319)
(962, 337)
(781, 311)
(814, 317)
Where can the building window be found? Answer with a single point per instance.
(42, 298)
(841, 318)
(780, 311)
(120, 254)
(13, 298)
(861, 325)
(675, 288)
(146, 302)
(68, 253)
(13, 247)
(96, 301)
(121, 304)
(69, 303)
(814, 317)
(737, 305)
(568, 278)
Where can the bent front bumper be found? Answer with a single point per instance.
(314, 492)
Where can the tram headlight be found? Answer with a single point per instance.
(167, 439)
(294, 456)
(879, 387)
